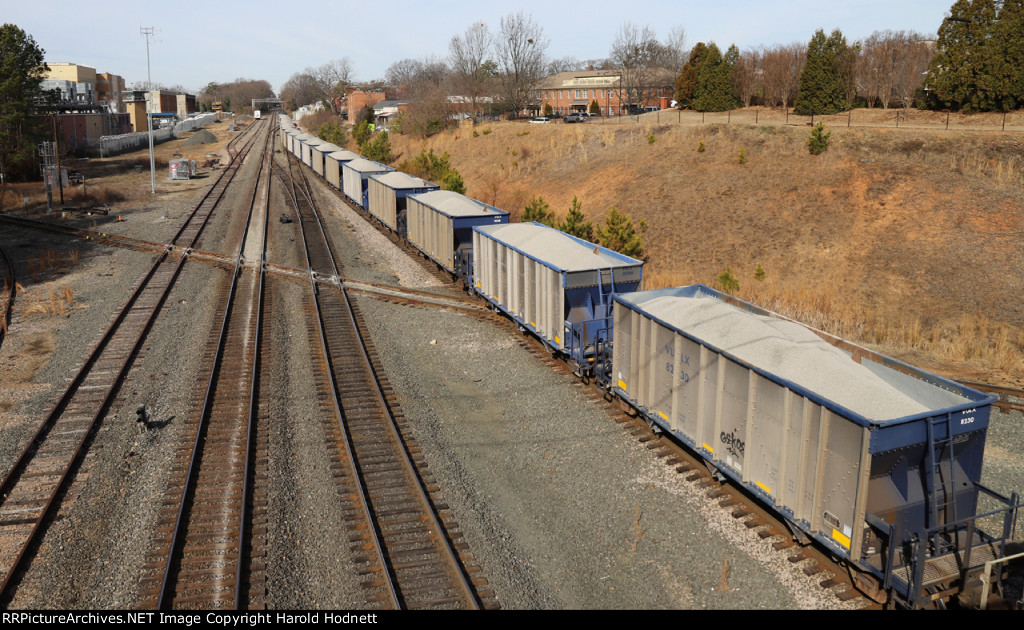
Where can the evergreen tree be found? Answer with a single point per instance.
(21, 70)
(686, 82)
(378, 148)
(714, 89)
(538, 210)
(576, 223)
(619, 233)
(821, 86)
(1008, 66)
(963, 71)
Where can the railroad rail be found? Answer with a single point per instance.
(7, 293)
(32, 490)
(205, 554)
(406, 545)
(1009, 398)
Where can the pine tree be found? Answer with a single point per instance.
(686, 82)
(618, 233)
(22, 68)
(713, 91)
(963, 72)
(1008, 67)
(576, 223)
(538, 210)
(378, 148)
(821, 87)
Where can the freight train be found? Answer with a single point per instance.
(877, 461)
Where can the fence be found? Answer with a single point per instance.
(115, 145)
(878, 118)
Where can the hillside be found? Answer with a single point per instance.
(910, 241)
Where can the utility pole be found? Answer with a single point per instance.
(147, 32)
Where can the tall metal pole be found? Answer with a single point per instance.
(147, 31)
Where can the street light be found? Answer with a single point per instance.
(147, 32)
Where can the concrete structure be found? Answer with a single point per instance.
(569, 92)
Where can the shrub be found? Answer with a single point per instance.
(727, 281)
(742, 159)
(818, 140)
(651, 139)
(332, 132)
(435, 168)
(700, 147)
(759, 273)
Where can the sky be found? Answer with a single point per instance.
(223, 40)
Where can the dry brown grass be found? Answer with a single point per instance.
(51, 261)
(905, 239)
(49, 300)
(99, 195)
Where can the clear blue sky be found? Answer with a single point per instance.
(223, 40)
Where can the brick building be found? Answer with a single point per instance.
(568, 92)
(358, 99)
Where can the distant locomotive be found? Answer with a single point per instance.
(876, 460)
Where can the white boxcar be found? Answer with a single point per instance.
(354, 175)
(319, 151)
(332, 166)
(298, 141)
(307, 149)
(832, 435)
(440, 224)
(546, 279)
(387, 193)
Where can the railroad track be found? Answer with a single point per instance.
(7, 292)
(32, 491)
(406, 542)
(203, 543)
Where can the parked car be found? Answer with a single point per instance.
(541, 120)
(575, 117)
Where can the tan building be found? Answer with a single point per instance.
(568, 92)
(108, 90)
(77, 84)
(62, 71)
(186, 105)
(136, 113)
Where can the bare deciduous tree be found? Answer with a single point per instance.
(891, 66)
(519, 48)
(781, 66)
(637, 54)
(330, 81)
(746, 76)
(472, 69)
(676, 52)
